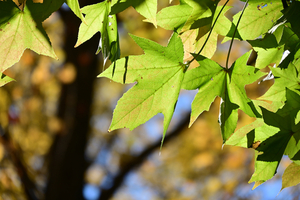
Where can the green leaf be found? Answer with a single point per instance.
(292, 15)
(23, 30)
(109, 43)
(194, 39)
(239, 138)
(228, 117)
(274, 137)
(4, 79)
(292, 105)
(174, 17)
(268, 50)
(223, 24)
(74, 5)
(158, 75)
(185, 16)
(147, 8)
(41, 11)
(291, 176)
(258, 18)
(284, 78)
(98, 20)
(213, 80)
(201, 9)
(209, 79)
(278, 136)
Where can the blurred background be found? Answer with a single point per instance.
(55, 118)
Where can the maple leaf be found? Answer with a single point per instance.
(268, 50)
(193, 19)
(74, 6)
(278, 136)
(194, 39)
(182, 17)
(291, 176)
(98, 19)
(147, 8)
(158, 75)
(274, 135)
(174, 17)
(284, 78)
(20, 30)
(291, 14)
(213, 80)
(257, 13)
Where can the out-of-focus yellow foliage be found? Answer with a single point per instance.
(67, 74)
(28, 112)
(192, 166)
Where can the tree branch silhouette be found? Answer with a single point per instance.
(138, 160)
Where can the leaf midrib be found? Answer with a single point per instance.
(179, 68)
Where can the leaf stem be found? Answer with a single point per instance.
(231, 42)
(208, 34)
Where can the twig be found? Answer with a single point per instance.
(231, 42)
(208, 34)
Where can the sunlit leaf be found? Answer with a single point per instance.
(23, 30)
(174, 17)
(259, 16)
(158, 73)
(213, 80)
(98, 19)
(284, 78)
(74, 5)
(268, 50)
(292, 15)
(291, 176)
(147, 8)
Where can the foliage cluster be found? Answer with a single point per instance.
(269, 26)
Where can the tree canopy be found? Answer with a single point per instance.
(186, 62)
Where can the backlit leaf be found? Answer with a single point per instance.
(74, 5)
(23, 30)
(147, 8)
(158, 75)
(284, 78)
(98, 19)
(291, 176)
(259, 16)
(213, 80)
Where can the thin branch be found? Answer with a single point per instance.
(231, 42)
(208, 34)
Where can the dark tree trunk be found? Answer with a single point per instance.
(66, 158)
